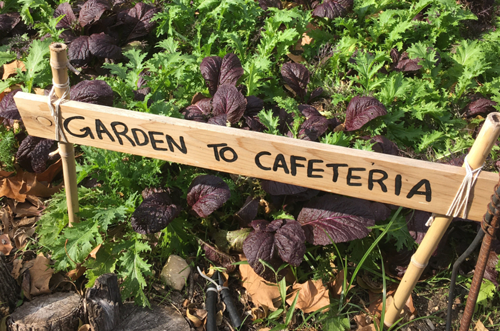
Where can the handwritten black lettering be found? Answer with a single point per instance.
(87, 132)
(294, 165)
(171, 142)
(415, 190)
(397, 185)
(335, 167)
(257, 160)
(136, 138)
(350, 176)
(311, 169)
(122, 133)
(380, 181)
(279, 162)
(100, 128)
(154, 141)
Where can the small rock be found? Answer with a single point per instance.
(176, 272)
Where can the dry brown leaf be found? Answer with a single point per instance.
(16, 269)
(40, 276)
(480, 326)
(77, 272)
(259, 313)
(305, 40)
(93, 252)
(27, 221)
(313, 295)
(10, 69)
(196, 316)
(7, 217)
(338, 284)
(5, 244)
(39, 91)
(261, 292)
(26, 209)
(84, 327)
(21, 236)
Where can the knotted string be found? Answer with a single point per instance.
(55, 108)
(217, 288)
(461, 200)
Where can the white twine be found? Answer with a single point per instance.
(461, 200)
(55, 108)
(217, 288)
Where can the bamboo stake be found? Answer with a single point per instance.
(58, 63)
(477, 155)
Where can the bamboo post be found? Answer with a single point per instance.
(58, 63)
(477, 155)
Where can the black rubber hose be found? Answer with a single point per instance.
(211, 305)
(230, 306)
(451, 296)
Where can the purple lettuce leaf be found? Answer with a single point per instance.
(276, 188)
(402, 62)
(283, 238)
(316, 93)
(8, 108)
(362, 110)
(138, 20)
(230, 70)
(155, 212)
(79, 51)
(103, 46)
(97, 92)
(218, 120)
(296, 76)
(313, 128)
(254, 106)
(491, 272)
(333, 8)
(416, 224)
(259, 245)
(290, 241)
(339, 218)
(217, 71)
(254, 123)
(69, 17)
(265, 4)
(140, 94)
(34, 152)
(203, 106)
(8, 21)
(309, 111)
(481, 106)
(249, 211)
(92, 11)
(194, 114)
(229, 101)
(206, 194)
(383, 145)
(210, 70)
(220, 259)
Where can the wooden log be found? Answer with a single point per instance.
(103, 302)
(55, 312)
(9, 290)
(155, 319)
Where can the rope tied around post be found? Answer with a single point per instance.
(55, 108)
(462, 198)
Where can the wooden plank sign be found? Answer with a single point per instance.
(373, 176)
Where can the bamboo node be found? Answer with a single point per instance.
(416, 263)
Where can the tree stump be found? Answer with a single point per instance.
(103, 302)
(55, 312)
(156, 319)
(9, 290)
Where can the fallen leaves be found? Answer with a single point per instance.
(313, 295)
(10, 69)
(40, 275)
(5, 244)
(262, 292)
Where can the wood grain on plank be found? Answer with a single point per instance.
(378, 177)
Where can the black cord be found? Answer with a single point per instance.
(451, 296)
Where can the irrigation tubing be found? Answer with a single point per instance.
(456, 266)
(491, 212)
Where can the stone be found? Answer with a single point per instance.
(175, 272)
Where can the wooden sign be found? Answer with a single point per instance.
(373, 176)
